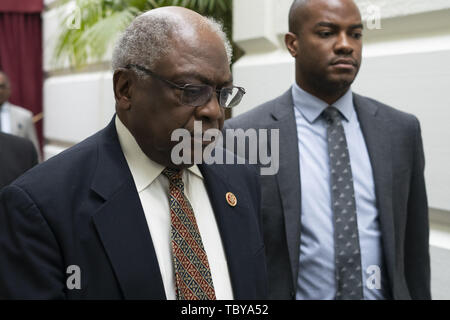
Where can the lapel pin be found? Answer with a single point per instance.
(231, 199)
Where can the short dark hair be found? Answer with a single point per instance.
(294, 17)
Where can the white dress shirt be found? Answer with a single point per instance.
(5, 122)
(153, 189)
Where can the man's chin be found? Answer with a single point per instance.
(197, 154)
(200, 142)
(181, 166)
(340, 83)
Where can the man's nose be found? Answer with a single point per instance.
(211, 110)
(343, 44)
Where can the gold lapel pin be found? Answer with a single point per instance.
(231, 199)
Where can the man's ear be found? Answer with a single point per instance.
(292, 44)
(123, 82)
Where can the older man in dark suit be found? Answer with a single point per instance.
(346, 216)
(115, 217)
(17, 155)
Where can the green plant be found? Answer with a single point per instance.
(100, 21)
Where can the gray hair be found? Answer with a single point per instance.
(147, 39)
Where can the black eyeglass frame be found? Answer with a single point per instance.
(221, 93)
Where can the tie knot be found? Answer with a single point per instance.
(331, 114)
(174, 175)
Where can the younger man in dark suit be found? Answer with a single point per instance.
(346, 216)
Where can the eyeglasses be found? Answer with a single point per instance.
(196, 95)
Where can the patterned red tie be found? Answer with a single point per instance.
(193, 279)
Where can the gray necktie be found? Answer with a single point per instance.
(346, 239)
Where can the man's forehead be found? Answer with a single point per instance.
(199, 69)
(205, 61)
(335, 11)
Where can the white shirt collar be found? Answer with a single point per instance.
(143, 169)
(5, 105)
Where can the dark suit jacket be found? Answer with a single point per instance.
(82, 208)
(17, 155)
(394, 143)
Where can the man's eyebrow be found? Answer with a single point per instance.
(357, 26)
(193, 75)
(335, 26)
(200, 77)
(326, 24)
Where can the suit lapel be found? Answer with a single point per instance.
(233, 224)
(376, 131)
(289, 176)
(121, 223)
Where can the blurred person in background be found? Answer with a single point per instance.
(17, 155)
(15, 120)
